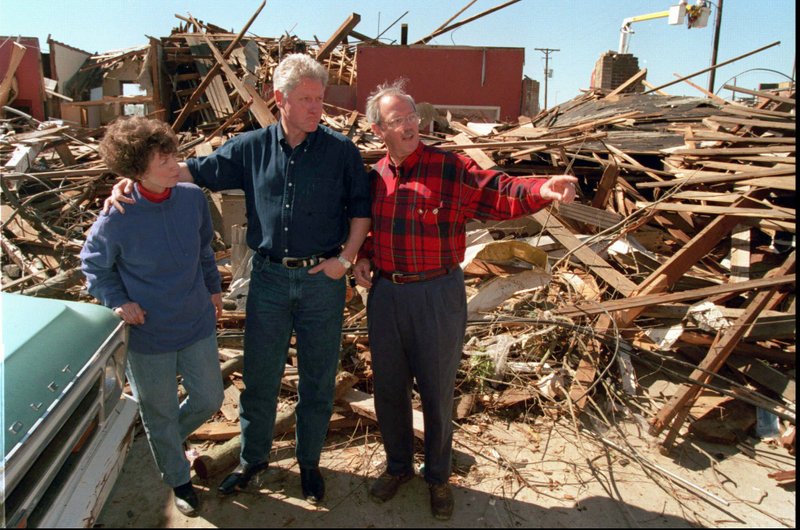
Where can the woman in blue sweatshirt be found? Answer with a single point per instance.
(155, 267)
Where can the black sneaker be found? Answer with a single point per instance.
(240, 477)
(186, 500)
(313, 484)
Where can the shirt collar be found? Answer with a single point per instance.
(309, 139)
(410, 161)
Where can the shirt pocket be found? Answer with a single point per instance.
(429, 213)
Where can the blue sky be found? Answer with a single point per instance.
(580, 29)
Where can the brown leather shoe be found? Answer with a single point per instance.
(385, 487)
(441, 501)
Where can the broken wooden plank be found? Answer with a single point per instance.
(17, 53)
(632, 80)
(597, 265)
(337, 37)
(640, 301)
(364, 404)
(606, 185)
(762, 213)
(190, 104)
(676, 409)
(248, 93)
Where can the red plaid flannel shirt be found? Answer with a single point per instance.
(420, 209)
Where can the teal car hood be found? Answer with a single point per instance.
(46, 343)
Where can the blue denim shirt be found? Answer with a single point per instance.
(299, 201)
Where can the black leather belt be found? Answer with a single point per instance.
(412, 277)
(299, 263)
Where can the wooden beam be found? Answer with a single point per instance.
(717, 210)
(763, 123)
(189, 105)
(451, 27)
(761, 94)
(713, 67)
(632, 80)
(606, 185)
(672, 270)
(644, 301)
(678, 406)
(17, 53)
(338, 35)
(249, 95)
(720, 178)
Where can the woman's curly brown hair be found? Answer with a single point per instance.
(129, 144)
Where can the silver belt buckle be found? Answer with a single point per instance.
(285, 263)
(395, 276)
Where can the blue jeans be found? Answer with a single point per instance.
(168, 423)
(280, 301)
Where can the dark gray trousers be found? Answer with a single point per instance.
(416, 331)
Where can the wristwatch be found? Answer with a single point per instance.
(344, 262)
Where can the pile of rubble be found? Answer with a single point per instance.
(677, 257)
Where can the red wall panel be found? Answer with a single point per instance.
(29, 75)
(446, 75)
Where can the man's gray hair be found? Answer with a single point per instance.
(295, 67)
(396, 88)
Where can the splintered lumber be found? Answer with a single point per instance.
(188, 107)
(713, 67)
(451, 27)
(676, 410)
(641, 301)
(338, 36)
(761, 94)
(17, 53)
(671, 271)
(597, 265)
(606, 185)
(248, 94)
(364, 404)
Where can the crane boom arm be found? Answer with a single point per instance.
(625, 29)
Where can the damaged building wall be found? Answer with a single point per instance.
(27, 89)
(488, 79)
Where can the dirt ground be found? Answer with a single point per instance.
(506, 474)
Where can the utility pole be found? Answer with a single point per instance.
(546, 52)
(717, 22)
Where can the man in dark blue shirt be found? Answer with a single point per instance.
(308, 211)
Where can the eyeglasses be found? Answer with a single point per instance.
(411, 119)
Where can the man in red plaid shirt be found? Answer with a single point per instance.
(422, 198)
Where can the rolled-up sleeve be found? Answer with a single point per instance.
(358, 193)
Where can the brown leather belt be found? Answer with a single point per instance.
(412, 277)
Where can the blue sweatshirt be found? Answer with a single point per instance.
(158, 255)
